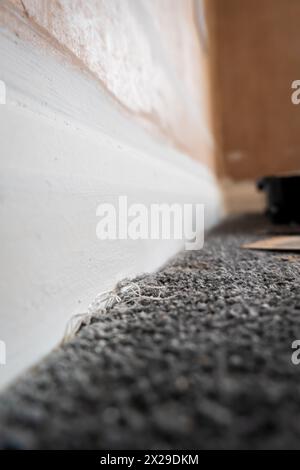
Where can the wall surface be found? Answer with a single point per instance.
(149, 54)
(88, 118)
(257, 57)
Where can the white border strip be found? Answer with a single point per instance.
(65, 147)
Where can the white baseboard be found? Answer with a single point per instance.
(65, 147)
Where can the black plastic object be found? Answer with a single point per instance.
(283, 198)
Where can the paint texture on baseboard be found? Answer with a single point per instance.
(66, 147)
(147, 54)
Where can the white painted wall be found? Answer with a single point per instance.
(65, 148)
(149, 54)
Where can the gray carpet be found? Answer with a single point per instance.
(202, 362)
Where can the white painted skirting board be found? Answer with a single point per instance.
(65, 147)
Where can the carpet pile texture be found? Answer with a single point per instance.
(200, 359)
